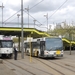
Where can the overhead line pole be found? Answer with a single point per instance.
(28, 14)
(2, 13)
(22, 46)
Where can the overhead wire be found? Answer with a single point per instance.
(56, 10)
(11, 16)
(36, 4)
(33, 7)
(33, 18)
(20, 10)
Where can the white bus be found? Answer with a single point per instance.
(45, 47)
(6, 46)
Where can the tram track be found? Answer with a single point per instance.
(68, 65)
(7, 61)
(64, 64)
(58, 67)
(62, 69)
(51, 67)
(36, 68)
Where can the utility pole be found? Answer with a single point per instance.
(22, 45)
(2, 13)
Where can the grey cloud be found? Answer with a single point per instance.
(35, 6)
(45, 5)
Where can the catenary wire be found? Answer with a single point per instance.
(56, 10)
(33, 18)
(12, 15)
(36, 4)
(20, 10)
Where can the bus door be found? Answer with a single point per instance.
(42, 48)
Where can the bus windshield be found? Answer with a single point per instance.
(54, 43)
(6, 43)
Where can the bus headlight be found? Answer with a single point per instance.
(62, 52)
(54, 53)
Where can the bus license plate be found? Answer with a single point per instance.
(57, 52)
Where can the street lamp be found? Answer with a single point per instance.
(2, 13)
(47, 20)
(28, 14)
(18, 19)
(34, 22)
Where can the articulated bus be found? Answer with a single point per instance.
(6, 46)
(44, 47)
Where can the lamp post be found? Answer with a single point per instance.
(34, 23)
(28, 14)
(18, 19)
(47, 20)
(2, 13)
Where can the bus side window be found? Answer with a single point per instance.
(28, 45)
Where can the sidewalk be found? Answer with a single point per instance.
(5, 70)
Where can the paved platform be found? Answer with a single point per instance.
(5, 70)
(32, 66)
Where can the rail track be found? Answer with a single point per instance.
(58, 67)
(68, 64)
(40, 66)
(10, 64)
(51, 67)
(21, 66)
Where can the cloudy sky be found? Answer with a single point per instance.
(58, 11)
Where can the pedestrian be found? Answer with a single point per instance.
(15, 52)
